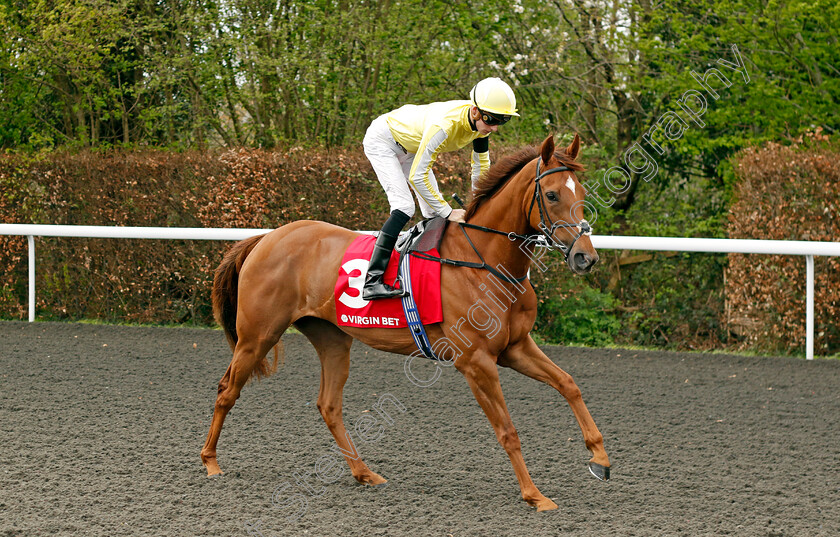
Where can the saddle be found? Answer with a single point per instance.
(424, 236)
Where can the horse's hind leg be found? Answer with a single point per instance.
(250, 351)
(333, 348)
(527, 358)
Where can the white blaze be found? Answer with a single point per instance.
(570, 184)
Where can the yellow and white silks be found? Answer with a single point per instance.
(403, 144)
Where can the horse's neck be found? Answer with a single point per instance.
(503, 212)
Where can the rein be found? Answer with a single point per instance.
(483, 265)
(546, 232)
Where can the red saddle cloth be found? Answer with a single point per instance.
(352, 310)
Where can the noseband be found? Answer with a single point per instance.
(548, 232)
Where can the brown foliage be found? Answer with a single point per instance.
(13, 250)
(155, 281)
(785, 193)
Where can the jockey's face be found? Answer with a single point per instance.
(482, 127)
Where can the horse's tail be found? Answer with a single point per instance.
(226, 286)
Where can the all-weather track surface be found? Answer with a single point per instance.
(102, 427)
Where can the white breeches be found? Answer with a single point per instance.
(392, 165)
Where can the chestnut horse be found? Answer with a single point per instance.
(287, 277)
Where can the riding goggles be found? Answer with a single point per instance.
(493, 119)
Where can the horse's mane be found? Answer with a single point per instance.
(507, 167)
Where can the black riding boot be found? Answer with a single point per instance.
(374, 286)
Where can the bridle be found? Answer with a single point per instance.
(544, 238)
(546, 235)
(548, 232)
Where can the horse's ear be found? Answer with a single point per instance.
(574, 148)
(547, 149)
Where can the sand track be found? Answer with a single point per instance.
(102, 427)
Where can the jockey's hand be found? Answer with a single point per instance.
(457, 215)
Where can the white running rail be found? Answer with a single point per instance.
(743, 246)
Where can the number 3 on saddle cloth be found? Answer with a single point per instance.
(422, 279)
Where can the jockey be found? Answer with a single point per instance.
(402, 146)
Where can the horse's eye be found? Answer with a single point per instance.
(551, 195)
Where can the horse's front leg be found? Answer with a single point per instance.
(527, 358)
(483, 377)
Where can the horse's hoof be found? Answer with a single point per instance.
(546, 505)
(376, 481)
(599, 471)
(212, 468)
(371, 479)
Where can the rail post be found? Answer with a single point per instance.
(809, 305)
(31, 240)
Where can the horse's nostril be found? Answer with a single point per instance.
(584, 261)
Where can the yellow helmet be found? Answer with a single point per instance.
(493, 95)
